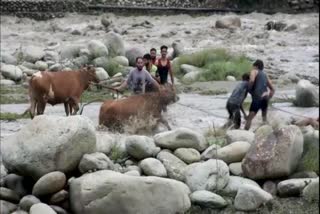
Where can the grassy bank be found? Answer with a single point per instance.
(13, 116)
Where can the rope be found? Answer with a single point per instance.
(288, 112)
(207, 112)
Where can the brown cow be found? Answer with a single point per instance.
(59, 87)
(115, 113)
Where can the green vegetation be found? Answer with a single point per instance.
(216, 63)
(216, 136)
(13, 116)
(13, 94)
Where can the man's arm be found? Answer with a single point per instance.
(171, 74)
(270, 86)
(253, 75)
(125, 83)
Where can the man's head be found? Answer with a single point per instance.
(153, 53)
(164, 51)
(245, 77)
(258, 64)
(147, 59)
(139, 63)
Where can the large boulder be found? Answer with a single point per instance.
(105, 142)
(32, 54)
(187, 155)
(311, 191)
(8, 58)
(41, 208)
(141, 147)
(71, 51)
(191, 77)
(293, 187)
(208, 199)
(49, 184)
(9, 195)
(250, 198)
(115, 44)
(95, 161)
(153, 167)
(47, 144)
(7, 207)
(97, 49)
(236, 169)
(174, 166)
(102, 74)
(189, 68)
(274, 154)
(111, 192)
(239, 135)
(11, 72)
(121, 60)
(132, 53)
(210, 175)
(19, 184)
(228, 22)
(307, 94)
(209, 152)
(181, 138)
(234, 184)
(27, 202)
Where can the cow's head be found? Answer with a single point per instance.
(168, 94)
(91, 73)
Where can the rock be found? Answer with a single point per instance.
(132, 53)
(28, 71)
(121, 60)
(233, 152)
(311, 191)
(84, 52)
(141, 147)
(275, 25)
(234, 184)
(181, 138)
(58, 210)
(210, 175)
(94, 161)
(17, 183)
(273, 155)
(231, 78)
(236, 169)
(102, 74)
(178, 49)
(8, 58)
(292, 27)
(101, 62)
(250, 198)
(47, 144)
(106, 22)
(9, 195)
(76, 32)
(133, 173)
(3, 171)
(27, 202)
(132, 168)
(307, 94)
(174, 166)
(228, 22)
(97, 49)
(105, 142)
(54, 56)
(304, 174)
(41, 208)
(115, 45)
(187, 155)
(59, 197)
(50, 183)
(239, 135)
(19, 212)
(71, 51)
(208, 199)
(270, 187)
(111, 192)
(11, 72)
(81, 61)
(32, 54)
(56, 67)
(209, 152)
(7, 207)
(153, 167)
(191, 77)
(4, 82)
(189, 68)
(293, 187)
(41, 65)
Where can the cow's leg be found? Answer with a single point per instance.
(41, 105)
(75, 105)
(66, 108)
(164, 122)
(32, 108)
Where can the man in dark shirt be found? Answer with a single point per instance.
(235, 101)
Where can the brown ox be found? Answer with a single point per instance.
(115, 113)
(59, 87)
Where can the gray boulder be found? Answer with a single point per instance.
(41, 65)
(270, 187)
(191, 77)
(121, 60)
(174, 166)
(9, 195)
(97, 49)
(32, 54)
(105, 142)
(59, 197)
(189, 68)
(293, 187)
(274, 155)
(111, 192)
(17, 183)
(304, 174)
(311, 191)
(27, 202)
(5, 82)
(41, 208)
(8, 58)
(181, 138)
(11, 72)
(250, 198)
(178, 49)
(71, 51)
(228, 22)
(208, 199)
(53, 56)
(7, 207)
(50, 183)
(239, 135)
(187, 155)
(234, 184)
(209, 152)
(211, 175)
(58, 210)
(115, 44)
(141, 147)
(236, 169)
(153, 167)
(47, 144)
(19, 212)
(307, 94)
(81, 61)
(94, 161)
(132, 53)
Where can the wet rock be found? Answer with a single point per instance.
(50, 183)
(239, 135)
(97, 49)
(121, 60)
(208, 199)
(236, 169)
(234, 184)
(41, 65)
(27, 202)
(9, 195)
(4, 82)
(7, 207)
(181, 138)
(153, 167)
(250, 198)
(94, 161)
(59, 197)
(141, 147)
(209, 152)
(275, 25)
(311, 191)
(112, 192)
(132, 53)
(187, 155)
(274, 154)
(174, 166)
(293, 187)
(11, 72)
(47, 144)
(17, 183)
(307, 94)
(210, 175)
(102, 74)
(58, 210)
(41, 208)
(115, 45)
(32, 54)
(233, 152)
(228, 22)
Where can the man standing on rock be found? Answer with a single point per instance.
(259, 84)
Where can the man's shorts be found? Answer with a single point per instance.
(258, 104)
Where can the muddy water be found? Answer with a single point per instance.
(192, 111)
